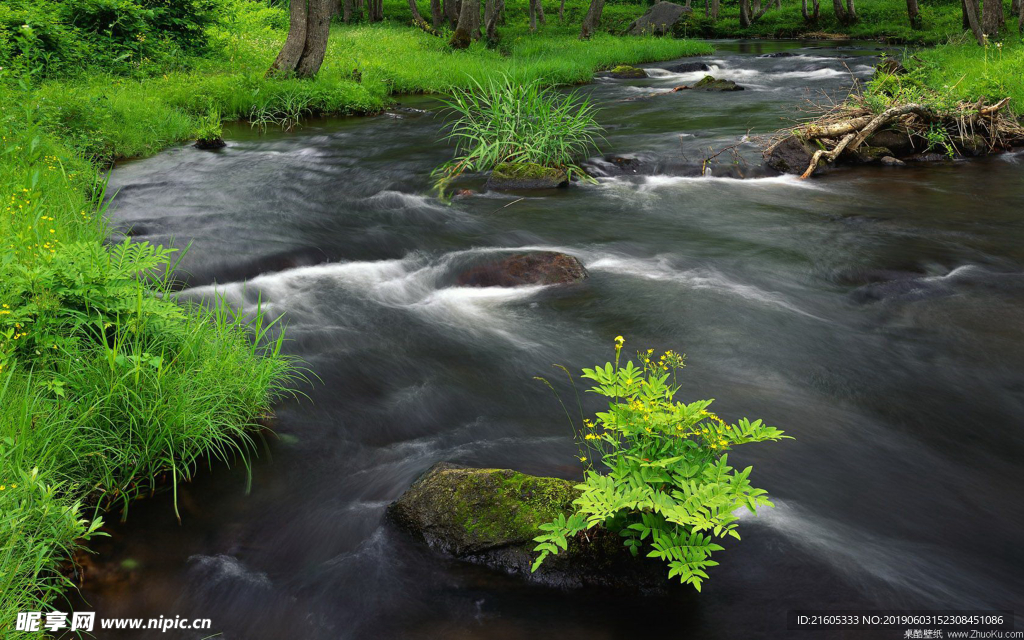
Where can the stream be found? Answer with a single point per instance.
(875, 314)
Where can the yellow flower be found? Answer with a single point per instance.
(583, 458)
(591, 436)
(619, 341)
(2, 487)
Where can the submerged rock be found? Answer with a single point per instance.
(511, 176)
(688, 67)
(490, 517)
(890, 161)
(542, 267)
(780, 54)
(623, 72)
(868, 154)
(710, 83)
(659, 19)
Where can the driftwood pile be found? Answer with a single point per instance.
(853, 132)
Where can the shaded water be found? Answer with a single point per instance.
(875, 314)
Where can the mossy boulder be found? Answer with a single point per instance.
(514, 176)
(710, 83)
(490, 517)
(624, 72)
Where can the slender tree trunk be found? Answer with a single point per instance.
(966, 23)
(464, 29)
(476, 22)
(436, 14)
(417, 18)
(491, 20)
(992, 17)
(716, 6)
(840, 11)
(1014, 8)
(358, 4)
(971, 9)
(346, 11)
(288, 58)
(592, 19)
(1020, 17)
(914, 14)
(561, 12)
(744, 14)
(532, 9)
(851, 12)
(451, 12)
(540, 12)
(810, 17)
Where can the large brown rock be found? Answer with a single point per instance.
(542, 267)
(490, 517)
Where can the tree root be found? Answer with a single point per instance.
(848, 126)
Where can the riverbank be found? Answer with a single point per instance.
(107, 387)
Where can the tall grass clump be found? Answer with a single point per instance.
(502, 120)
(110, 387)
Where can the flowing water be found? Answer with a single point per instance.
(875, 314)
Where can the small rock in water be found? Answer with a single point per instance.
(210, 143)
(623, 72)
(890, 161)
(688, 67)
(780, 54)
(710, 83)
(542, 267)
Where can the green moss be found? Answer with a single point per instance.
(527, 171)
(626, 71)
(515, 504)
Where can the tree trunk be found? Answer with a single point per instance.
(346, 11)
(436, 14)
(1020, 18)
(491, 20)
(561, 12)
(417, 18)
(450, 11)
(476, 22)
(463, 35)
(971, 9)
(851, 12)
(812, 16)
(744, 14)
(992, 17)
(840, 11)
(318, 29)
(540, 12)
(532, 8)
(359, 9)
(716, 6)
(288, 58)
(914, 14)
(592, 19)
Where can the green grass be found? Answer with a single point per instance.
(962, 70)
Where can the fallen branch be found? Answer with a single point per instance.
(857, 136)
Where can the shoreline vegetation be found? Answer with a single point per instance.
(108, 387)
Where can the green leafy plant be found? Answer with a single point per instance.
(504, 120)
(666, 485)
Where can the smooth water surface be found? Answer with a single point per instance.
(875, 314)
